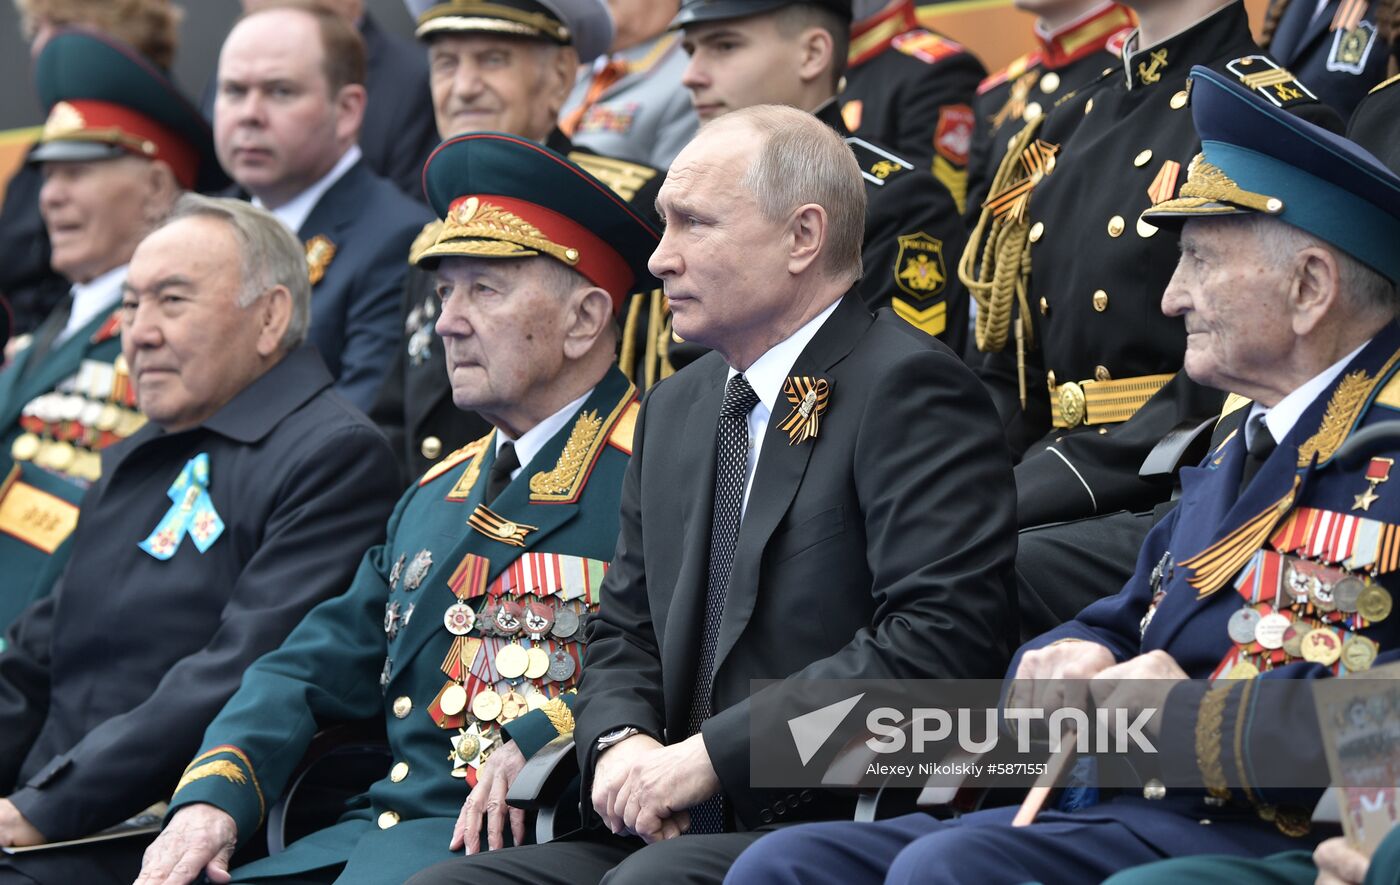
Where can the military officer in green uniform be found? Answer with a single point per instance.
(506, 67)
(911, 89)
(462, 630)
(119, 146)
(1076, 40)
(742, 53)
(1082, 363)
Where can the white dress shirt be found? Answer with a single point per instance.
(294, 212)
(532, 440)
(1288, 410)
(92, 299)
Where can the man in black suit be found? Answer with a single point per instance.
(287, 116)
(246, 499)
(862, 531)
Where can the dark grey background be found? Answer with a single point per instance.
(201, 33)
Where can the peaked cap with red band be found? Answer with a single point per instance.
(501, 196)
(105, 100)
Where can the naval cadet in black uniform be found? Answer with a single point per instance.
(911, 89)
(1082, 363)
(1076, 41)
(742, 54)
(1335, 46)
(506, 67)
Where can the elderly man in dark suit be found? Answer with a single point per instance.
(287, 115)
(864, 530)
(245, 500)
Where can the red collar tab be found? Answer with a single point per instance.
(1085, 36)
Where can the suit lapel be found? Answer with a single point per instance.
(336, 210)
(781, 466)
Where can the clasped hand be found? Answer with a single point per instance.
(642, 787)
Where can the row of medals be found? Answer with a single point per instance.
(64, 430)
(1337, 600)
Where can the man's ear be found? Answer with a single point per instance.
(559, 79)
(273, 313)
(350, 104)
(162, 190)
(808, 232)
(815, 49)
(1316, 288)
(590, 317)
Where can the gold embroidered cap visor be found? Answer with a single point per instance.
(500, 196)
(584, 24)
(1259, 158)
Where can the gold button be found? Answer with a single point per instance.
(1179, 100)
(1037, 231)
(431, 447)
(398, 773)
(1146, 230)
(1115, 226)
(1101, 374)
(1050, 82)
(1033, 112)
(1050, 163)
(1088, 106)
(388, 819)
(1103, 431)
(1044, 306)
(1101, 301)
(403, 706)
(1143, 158)
(1050, 378)
(1274, 206)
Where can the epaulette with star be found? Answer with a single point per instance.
(1010, 72)
(877, 165)
(1271, 80)
(426, 237)
(623, 177)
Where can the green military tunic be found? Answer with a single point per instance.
(406, 642)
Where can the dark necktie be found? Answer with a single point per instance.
(498, 477)
(1261, 446)
(731, 474)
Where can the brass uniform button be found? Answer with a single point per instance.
(1088, 106)
(1050, 163)
(1146, 230)
(388, 819)
(1101, 301)
(1274, 206)
(1044, 306)
(1116, 226)
(1179, 100)
(398, 772)
(1037, 231)
(1143, 158)
(1050, 378)
(1033, 112)
(1101, 374)
(431, 447)
(1050, 82)
(403, 706)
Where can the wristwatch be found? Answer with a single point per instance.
(616, 736)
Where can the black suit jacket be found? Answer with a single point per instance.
(880, 549)
(399, 130)
(107, 684)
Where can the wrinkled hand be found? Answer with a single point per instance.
(1056, 676)
(15, 830)
(199, 839)
(1338, 863)
(1138, 684)
(663, 784)
(610, 777)
(488, 797)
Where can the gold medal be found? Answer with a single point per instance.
(1243, 670)
(108, 418)
(61, 456)
(1322, 646)
(1293, 638)
(513, 706)
(512, 661)
(25, 447)
(1358, 653)
(453, 700)
(538, 664)
(1374, 604)
(486, 706)
(535, 699)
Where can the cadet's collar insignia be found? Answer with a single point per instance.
(1215, 565)
(919, 267)
(191, 513)
(1035, 162)
(1377, 472)
(498, 528)
(319, 252)
(1150, 71)
(1264, 76)
(809, 398)
(418, 569)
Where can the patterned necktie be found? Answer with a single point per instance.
(498, 477)
(1261, 446)
(731, 473)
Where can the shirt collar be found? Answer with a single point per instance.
(1288, 410)
(534, 439)
(294, 212)
(96, 296)
(769, 371)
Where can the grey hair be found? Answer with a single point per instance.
(801, 161)
(1364, 289)
(269, 255)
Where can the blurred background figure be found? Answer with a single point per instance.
(1337, 47)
